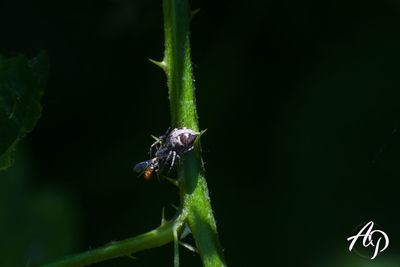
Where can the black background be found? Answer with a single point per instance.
(301, 103)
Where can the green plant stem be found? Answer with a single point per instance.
(178, 68)
(194, 192)
(155, 238)
(195, 207)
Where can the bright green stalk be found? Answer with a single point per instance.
(195, 209)
(177, 16)
(194, 192)
(155, 238)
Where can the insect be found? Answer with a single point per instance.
(169, 148)
(146, 167)
(173, 145)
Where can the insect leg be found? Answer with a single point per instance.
(173, 160)
(157, 142)
(189, 149)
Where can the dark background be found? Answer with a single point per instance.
(301, 103)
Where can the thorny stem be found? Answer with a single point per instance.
(195, 207)
(194, 193)
(155, 238)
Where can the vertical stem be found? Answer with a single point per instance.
(177, 16)
(176, 249)
(194, 192)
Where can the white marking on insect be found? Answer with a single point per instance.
(169, 148)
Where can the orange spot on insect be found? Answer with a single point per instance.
(147, 173)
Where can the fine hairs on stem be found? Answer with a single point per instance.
(195, 209)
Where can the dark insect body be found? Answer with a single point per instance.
(169, 148)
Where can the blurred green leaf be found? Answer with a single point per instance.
(38, 222)
(22, 82)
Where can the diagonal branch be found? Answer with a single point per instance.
(155, 238)
(195, 203)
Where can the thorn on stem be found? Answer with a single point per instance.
(163, 216)
(185, 232)
(175, 207)
(155, 138)
(161, 64)
(189, 247)
(194, 12)
(131, 257)
(172, 181)
(196, 142)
